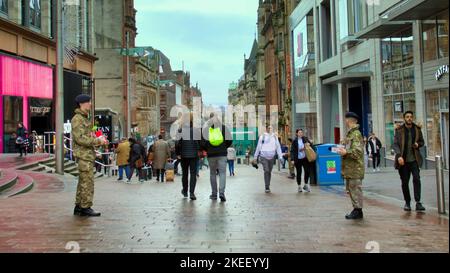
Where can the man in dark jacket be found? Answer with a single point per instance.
(299, 160)
(373, 148)
(408, 140)
(217, 154)
(187, 149)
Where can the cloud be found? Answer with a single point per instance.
(211, 37)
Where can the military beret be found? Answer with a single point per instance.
(352, 115)
(82, 98)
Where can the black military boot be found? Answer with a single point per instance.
(77, 210)
(355, 214)
(89, 212)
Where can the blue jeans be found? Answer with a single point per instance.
(127, 171)
(231, 166)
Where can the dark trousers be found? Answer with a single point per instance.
(139, 171)
(376, 159)
(405, 175)
(22, 150)
(189, 167)
(299, 164)
(160, 174)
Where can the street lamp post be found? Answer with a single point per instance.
(59, 122)
(128, 87)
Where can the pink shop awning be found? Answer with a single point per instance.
(25, 79)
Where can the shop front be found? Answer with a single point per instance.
(26, 94)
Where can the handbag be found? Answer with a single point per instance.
(139, 163)
(310, 153)
(151, 156)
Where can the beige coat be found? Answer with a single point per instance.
(161, 154)
(123, 153)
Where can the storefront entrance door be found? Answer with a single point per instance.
(444, 138)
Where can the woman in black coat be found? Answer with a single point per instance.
(300, 161)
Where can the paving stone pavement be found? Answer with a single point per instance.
(153, 217)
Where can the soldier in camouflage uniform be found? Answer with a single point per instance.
(353, 165)
(83, 147)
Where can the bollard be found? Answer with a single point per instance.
(440, 185)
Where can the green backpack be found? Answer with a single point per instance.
(215, 136)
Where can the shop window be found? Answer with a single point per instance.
(433, 124)
(442, 33)
(444, 99)
(394, 107)
(12, 114)
(4, 6)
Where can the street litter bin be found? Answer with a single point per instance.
(328, 166)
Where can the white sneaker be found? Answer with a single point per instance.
(128, 181)
(378, 170)
(374, 170)
(300, 188)
(307, 188)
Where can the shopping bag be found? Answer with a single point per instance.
(310, 153)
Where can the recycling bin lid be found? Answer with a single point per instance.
(325, 149)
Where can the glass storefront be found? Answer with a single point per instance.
(398, 81)
(436, 104)
(12, 115)
(304, 80)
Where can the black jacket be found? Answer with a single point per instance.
(221, 150)
(188, 148)
(369, 142)
(294, 148)
(137, 151)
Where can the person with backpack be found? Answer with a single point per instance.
(267, 151)
(216, 140)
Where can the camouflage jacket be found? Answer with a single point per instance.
(83, 140)
(353, 161)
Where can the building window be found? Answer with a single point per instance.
(398, 81)
(442, 33)
(304, 54)
(35, 13)
(429, 40)
(435, 37)
(353, 17)
(4, 6)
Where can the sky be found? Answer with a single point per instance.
(210, 36)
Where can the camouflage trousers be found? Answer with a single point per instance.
(354, 189)
(85, 188)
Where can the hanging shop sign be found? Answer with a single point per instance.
(441, 72)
